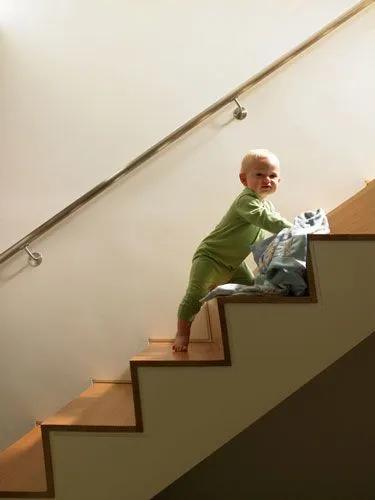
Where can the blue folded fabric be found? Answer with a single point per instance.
(281, 260)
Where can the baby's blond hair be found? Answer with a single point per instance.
(258, 154)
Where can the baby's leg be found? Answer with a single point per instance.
(242, 275)
(203, 275)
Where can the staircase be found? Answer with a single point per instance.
(130, 440)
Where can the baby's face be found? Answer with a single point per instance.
(262, 178)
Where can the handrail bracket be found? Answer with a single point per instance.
(240, 113)
(35, 258)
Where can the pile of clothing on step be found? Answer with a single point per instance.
(281, 260)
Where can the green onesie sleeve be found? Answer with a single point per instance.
(260, 214)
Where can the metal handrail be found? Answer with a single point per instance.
(184, 129)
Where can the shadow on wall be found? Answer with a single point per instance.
(318, 444)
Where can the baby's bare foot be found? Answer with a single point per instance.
(180, 343)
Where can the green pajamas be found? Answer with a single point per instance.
(205, 275)
(220, 257)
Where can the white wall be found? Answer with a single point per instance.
(88, 85)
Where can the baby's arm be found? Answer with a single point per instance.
(262, 215)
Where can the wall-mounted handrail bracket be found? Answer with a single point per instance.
(35, 258)
(240, 113)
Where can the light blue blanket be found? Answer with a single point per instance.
(281, 260)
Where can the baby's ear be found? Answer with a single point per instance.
(242, 177)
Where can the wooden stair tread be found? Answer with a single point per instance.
(159, 352)
(102, 404)
(355, 215)
(22, 464)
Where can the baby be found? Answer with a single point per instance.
(220, 257)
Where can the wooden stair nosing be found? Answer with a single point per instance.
(342, 237)
(98, 402)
